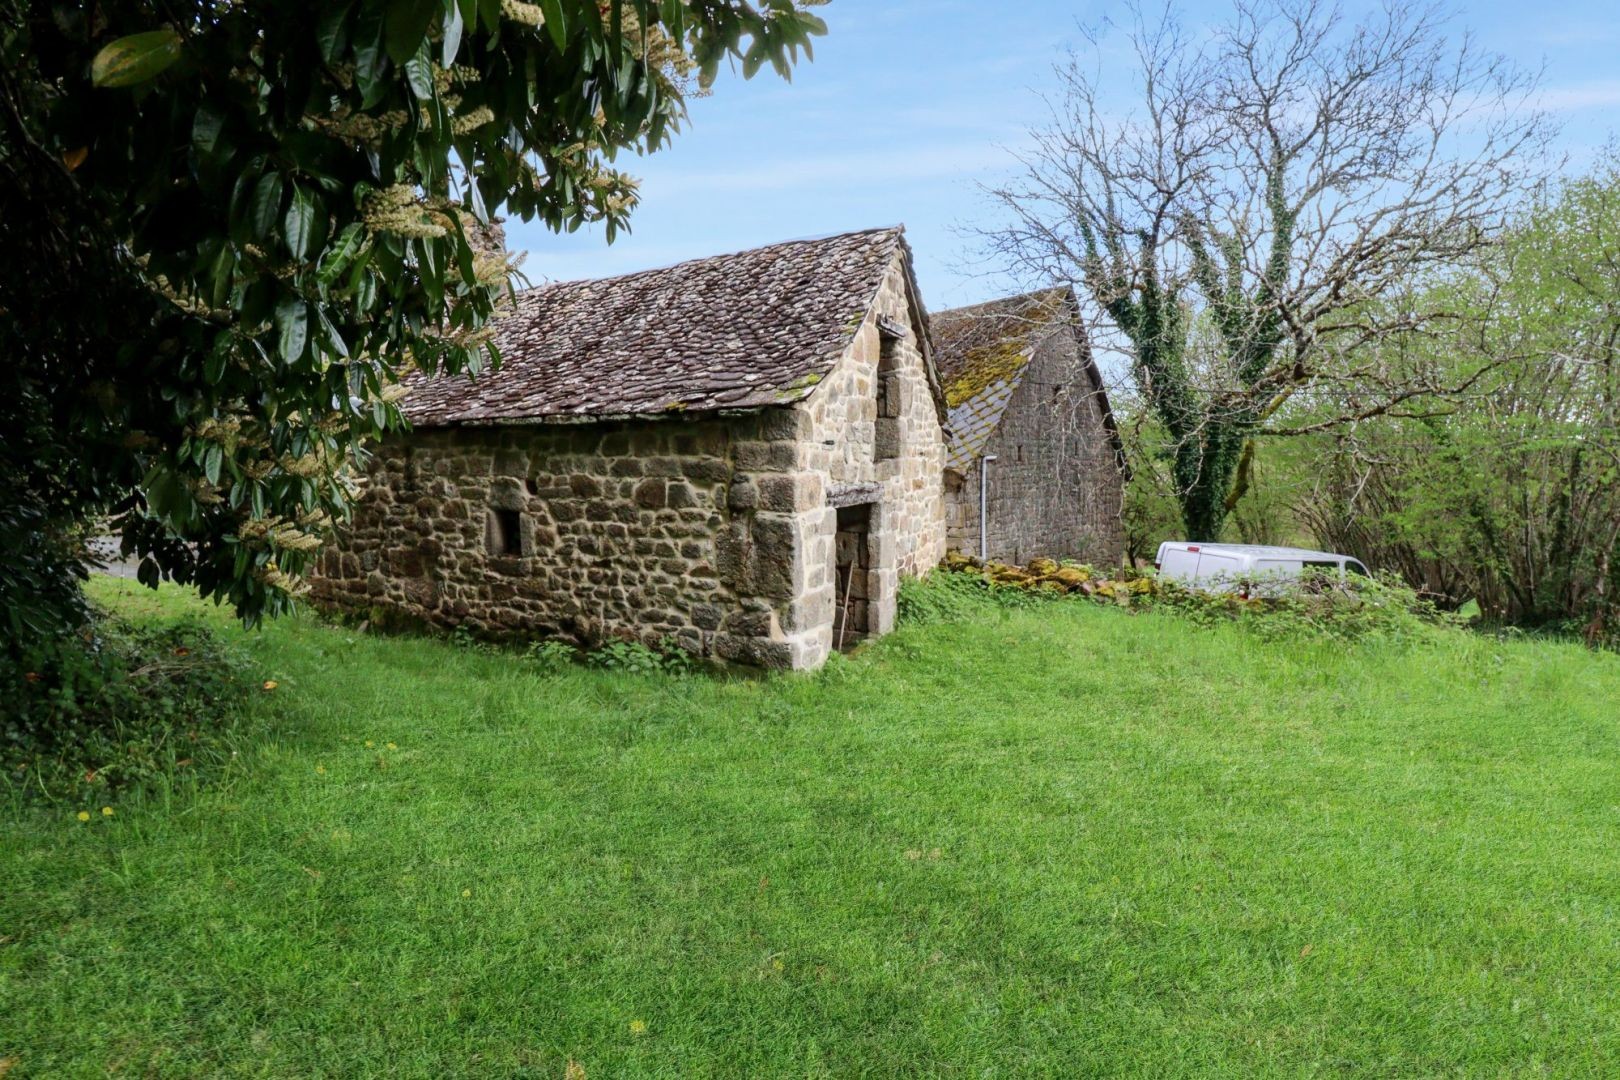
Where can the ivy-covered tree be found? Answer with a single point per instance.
(232, 226)
(1267, 213)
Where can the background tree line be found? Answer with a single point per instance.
(1506, 495)
(1355, 310)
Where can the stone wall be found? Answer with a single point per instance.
(718, 533)
(1055, 489)
(649, 530)
(900, 457)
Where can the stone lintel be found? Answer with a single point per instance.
(842, 495)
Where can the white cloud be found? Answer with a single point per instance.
(1573, 97)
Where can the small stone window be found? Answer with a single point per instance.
(503, 533)
(886, 443)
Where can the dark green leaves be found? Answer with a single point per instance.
(135, 59)
(556, 22)
(219, 281)
(266, 205)
(370, 61)
(407, 24)
(305, 224)
(206, 130)
(283, 165)
(292, 328)
(419, 73)
(453, 26)
(332, 31)
(341, 254)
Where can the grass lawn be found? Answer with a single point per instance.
(1059, 842)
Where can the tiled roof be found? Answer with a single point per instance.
(971, 424)
(982, 354)
(738, 331)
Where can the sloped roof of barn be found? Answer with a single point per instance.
(734, 332)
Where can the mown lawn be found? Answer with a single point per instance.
(1062, 842)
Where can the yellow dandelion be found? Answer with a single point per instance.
(777, 965)
(84, 815)
(466, 892)
(320, 770)
(393, 746)
(638, 1027)
(106, 811)
(369, 744)
(270, 684)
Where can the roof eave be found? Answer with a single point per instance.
(574, 419)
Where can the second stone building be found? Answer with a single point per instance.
(1034, 466)
(741, 455)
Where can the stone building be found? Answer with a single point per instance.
(740, 454)
(1033, 453)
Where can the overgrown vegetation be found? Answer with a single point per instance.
(1510, 497)
(121, 704)
(1312, 606)
(1507, 497)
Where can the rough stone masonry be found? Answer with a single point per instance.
(670, 457)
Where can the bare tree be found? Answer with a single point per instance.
(1260, 203)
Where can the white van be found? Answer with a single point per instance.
(1231, 567)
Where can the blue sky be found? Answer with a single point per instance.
(910, 104)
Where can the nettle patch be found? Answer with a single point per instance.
(121, 704)
(1312, 605)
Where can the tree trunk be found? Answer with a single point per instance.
(1204, 470)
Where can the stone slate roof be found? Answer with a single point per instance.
(742, 331)
(982, 354)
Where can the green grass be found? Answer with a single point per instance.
(1064, 841)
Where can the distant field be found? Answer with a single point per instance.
(1060, 842)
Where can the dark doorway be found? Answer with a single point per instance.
(853, 564)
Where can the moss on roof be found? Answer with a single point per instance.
(983, 367)
(978, 347)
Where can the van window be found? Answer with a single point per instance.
(1356, 568)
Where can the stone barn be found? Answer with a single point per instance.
(740, 455)
(1034, 466)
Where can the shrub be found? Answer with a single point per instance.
(117, 705)
(552, 656)
(633, 656)
(1314, 606)
(1321, 606)
(949, 596)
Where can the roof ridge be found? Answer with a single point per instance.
(896, 230)
(999, 301)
